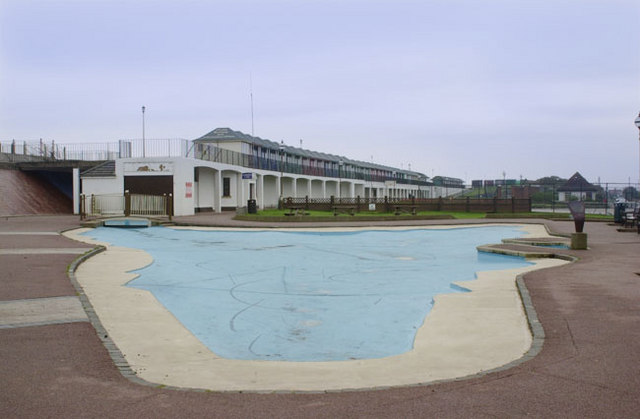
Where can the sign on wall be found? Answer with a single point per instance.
(188, 189)
(247, 176)
(147, 168)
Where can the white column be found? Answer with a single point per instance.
(260, 190)
(241, 199)
(76, 190)
(217, 191)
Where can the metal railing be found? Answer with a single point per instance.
(126, 205)
(47, 151)
(213, 153)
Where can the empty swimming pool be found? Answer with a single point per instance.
(307, 296)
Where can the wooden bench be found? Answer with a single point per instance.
(407, 209)
(295, 211)
(345, 209)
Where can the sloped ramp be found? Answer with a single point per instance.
(24, 193)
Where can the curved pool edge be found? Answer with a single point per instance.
(157, 350)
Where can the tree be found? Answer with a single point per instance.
(551, 180)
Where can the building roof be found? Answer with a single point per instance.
(577, 183)
(106, 169)
(229, 135)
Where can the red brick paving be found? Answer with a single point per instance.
(589, 365)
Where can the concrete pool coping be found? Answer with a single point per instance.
(485, 329)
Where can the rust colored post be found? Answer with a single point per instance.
(127, 204)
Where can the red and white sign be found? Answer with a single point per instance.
(188, 191)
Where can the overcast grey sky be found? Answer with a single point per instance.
(462, 88)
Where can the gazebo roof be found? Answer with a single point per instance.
(577, 183)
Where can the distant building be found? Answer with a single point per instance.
(448, 182)
(578, 188)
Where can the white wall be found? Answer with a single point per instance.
(102, 186)
(205, 188)
(270, 192)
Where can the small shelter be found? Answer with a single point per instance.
(578, 188)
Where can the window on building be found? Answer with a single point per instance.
(226, 187)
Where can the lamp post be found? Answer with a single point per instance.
(281, 166)
(504, 183)
(340, 163)
(638, 125)
(143, 144)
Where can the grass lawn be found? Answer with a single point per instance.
(279, 215)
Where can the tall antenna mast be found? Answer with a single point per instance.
(251, 95)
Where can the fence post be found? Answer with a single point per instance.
(82, 207)
(358, 203)
(466, 209)
(513, 205)
(170, 203)
(306, 202)
(440, 203)
(93, 204)
(495, 203)
(127, 204)
(387, 207)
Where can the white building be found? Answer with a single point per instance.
(224, 169)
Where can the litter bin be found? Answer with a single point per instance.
(618, 210)
(252, 208)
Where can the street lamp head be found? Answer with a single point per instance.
(143, 109)
(638, 121)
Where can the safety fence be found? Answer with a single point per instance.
(126, 205)
(387, 205)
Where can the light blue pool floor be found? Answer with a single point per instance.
(306, 296)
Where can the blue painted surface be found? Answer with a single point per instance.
(126, 223)
(299, 296)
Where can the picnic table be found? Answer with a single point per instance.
(295, 211)
(408, 209)
(345, 209)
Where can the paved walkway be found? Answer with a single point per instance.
(588, 366)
